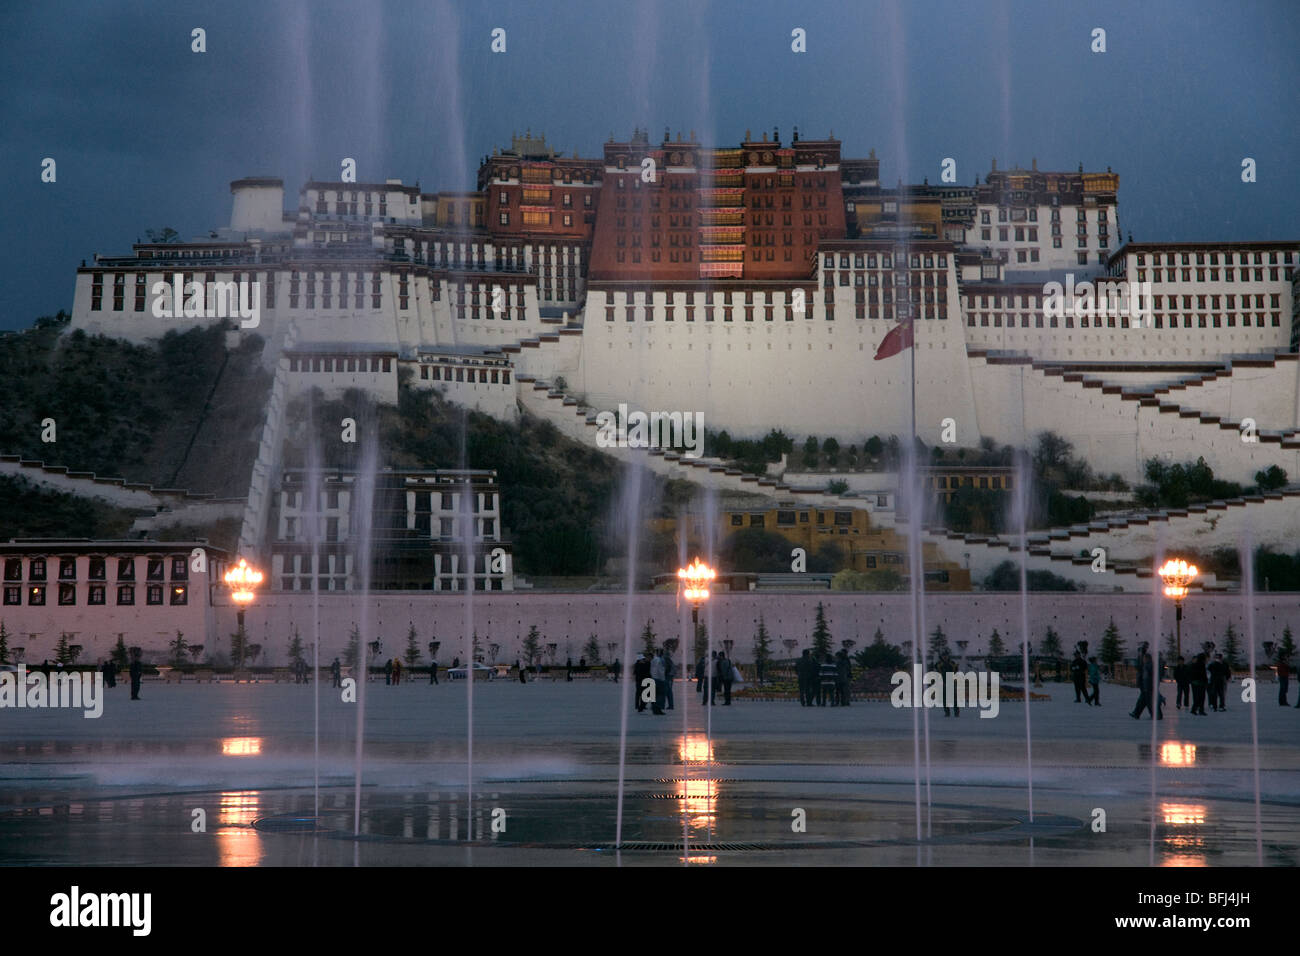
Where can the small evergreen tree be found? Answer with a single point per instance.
(1112, 645)
(1171, 647)
(532, 645)
(702, 641)
(62, 655)
(821, 635)
(762, 645)
(296, 655)
(178, 649)
(352, 652)
(938, 644)
(1231, 648)
(997, 647)
(810, 449)
(239, 647)
(120, 657)
(1286, 650)
(592, 650)
(880, 653)
(4, 644)
(412, 655)
(1051, 646)
(648, 639)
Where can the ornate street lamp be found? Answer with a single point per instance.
(693, 585)
(1177, 576)
(242, 581)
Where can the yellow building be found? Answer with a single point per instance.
(946, 479)
(866, 547)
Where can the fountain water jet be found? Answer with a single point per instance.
(362, 508)
(1154, 711)
(314, 536)
(632, 480)
(466, 521)
(1023, 477)
(1248, 600)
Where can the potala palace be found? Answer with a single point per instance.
(753, 285)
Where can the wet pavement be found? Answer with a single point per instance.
(770, 783)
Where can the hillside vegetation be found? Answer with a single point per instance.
(182, 413)
(558, 497)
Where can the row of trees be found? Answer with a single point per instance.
(1180, 484)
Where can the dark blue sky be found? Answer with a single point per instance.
(147, 134)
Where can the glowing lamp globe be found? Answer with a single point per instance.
(694, 581)
(243, 581)
(1177, 576)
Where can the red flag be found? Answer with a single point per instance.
(895, 340)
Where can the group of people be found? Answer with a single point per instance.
(109, 671)
(826, 681)
(1206, 675)
(392, 672)
(1085, 673)
(661, 670)
(715, 676)
(1201, 678)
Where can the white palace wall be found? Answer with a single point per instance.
(808, 376)
(1015, 401)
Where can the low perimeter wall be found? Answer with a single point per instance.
(569, 619)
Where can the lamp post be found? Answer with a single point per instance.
(693, 585)
(1177, 576)
(242, 581)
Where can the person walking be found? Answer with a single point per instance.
(568, 669)
(726, 674)
(657, 675)
(825, 678)
(336, 673)
(618, 670)
(1219, 675)
(804, 670)
(110, 673)
(1283, 680)
(388, 672)
(1094, 678)
(397, 672)
(1183, 681)
(523, 671)
(945, 667)
(711, 680)
(1146, 678)
(670, 673)
(433, 672)
(640, 671)
(1198, 680)
(844, 674)
(699, 675)
(137, 673)
(1079, 675)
